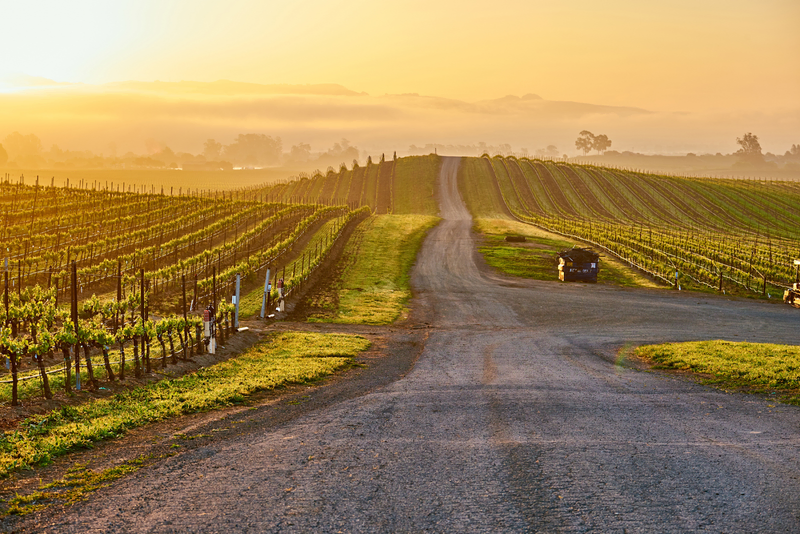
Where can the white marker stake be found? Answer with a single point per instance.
(264, 297)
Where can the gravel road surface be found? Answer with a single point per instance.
(517, 417)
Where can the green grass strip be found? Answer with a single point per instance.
(758, 366)
(290, 358)
(375, 288)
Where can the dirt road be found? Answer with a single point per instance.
(516, 418)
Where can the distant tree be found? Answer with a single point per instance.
(166, 155)
(550, 152)
(791, 153)
(749, 144)
(300, 152)
(601, 143)
(751, 148)
(750, 155)
(57, 154)
(212, 150)
(147, 162)
(3, 155)
(19, 145)
(338, 152)
(185, 157)
(153, 146)
(585, 141)
(255, 149)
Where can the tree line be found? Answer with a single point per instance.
(588, 141)
(27, 151)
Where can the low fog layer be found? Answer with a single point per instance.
(145, 118)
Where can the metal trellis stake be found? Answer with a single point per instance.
(236, 309)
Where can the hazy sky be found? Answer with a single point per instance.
(678, 55)
(723, 57)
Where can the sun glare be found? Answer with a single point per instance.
(62, 41)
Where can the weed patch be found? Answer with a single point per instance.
(74, 487)
(758, 367)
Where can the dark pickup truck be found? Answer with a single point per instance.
(578, 264)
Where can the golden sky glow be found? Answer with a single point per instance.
(732, 58)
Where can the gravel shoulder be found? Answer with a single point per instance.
(520, 415)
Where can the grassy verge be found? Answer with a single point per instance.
(537, 258)
(283, 359)
(757, 367)
(374, 286)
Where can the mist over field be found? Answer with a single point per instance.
(183, 115)
(142, 125)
